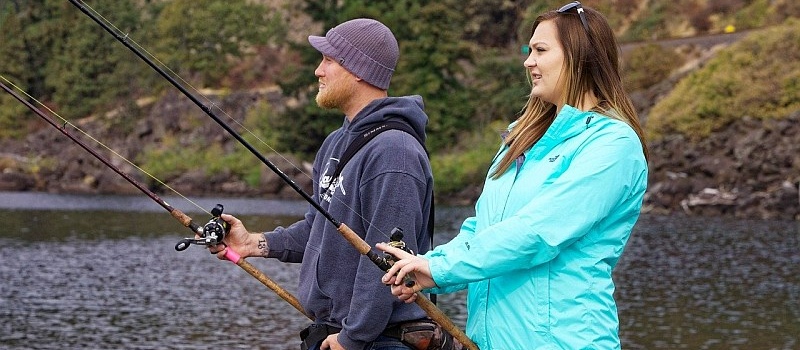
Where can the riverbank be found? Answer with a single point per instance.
(143, 204)
(749, 168)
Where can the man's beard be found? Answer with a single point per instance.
(335, 95)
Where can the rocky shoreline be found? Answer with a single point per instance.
(751, 169)
(48, 161)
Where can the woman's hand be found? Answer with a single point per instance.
(406, 268)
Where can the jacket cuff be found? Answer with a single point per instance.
(437, 273)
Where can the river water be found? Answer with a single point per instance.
(87, 272)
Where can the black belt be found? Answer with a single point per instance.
(318, 332)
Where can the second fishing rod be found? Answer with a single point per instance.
(376, 258)
(356, 241)
(211, 233)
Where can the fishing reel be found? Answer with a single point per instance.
(396, 240)
(211, 234)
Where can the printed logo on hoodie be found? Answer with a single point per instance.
(329, 185)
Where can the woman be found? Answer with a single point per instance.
(558, 204)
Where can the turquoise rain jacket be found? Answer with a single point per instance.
(538, 255)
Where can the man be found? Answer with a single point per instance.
(387, 184)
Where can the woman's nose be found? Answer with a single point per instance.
(529, 62)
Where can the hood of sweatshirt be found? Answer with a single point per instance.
(406, 108)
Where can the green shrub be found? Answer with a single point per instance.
(168, 159)
(501, 86)
(648, 65)
(745, 79)
(460, 168)
(649, 26)
(14, 117)
(754, 15)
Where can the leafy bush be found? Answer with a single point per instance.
(169, 159)
(461, 168)
(14, 117)
(499, 82)
(207, 37)
(648, 65)
(177, 153)
(650, 26)
(745, 80)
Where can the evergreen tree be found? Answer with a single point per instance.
(432, 54)
(26, 37)
(87, 68)
(25, 40)
(206, 38)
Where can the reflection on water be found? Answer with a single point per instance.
(113, 280)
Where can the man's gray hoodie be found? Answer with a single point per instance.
(387, 184)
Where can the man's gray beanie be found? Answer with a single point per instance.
(363, 46)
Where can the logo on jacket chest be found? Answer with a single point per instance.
(327, 184)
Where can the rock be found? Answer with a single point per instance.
(16, 181)
(751, 169)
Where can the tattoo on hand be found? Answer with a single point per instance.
(262, 246)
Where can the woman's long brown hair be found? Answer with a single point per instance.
(591, 62)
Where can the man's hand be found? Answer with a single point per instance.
(239, 240)
(332, 343)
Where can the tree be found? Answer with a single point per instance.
(432, 56)
(86, 68)
(27, 32)
(494, 23)
(13, 69)
(206, 38)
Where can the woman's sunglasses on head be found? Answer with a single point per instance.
(578, 8)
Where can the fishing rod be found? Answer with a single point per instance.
(361, 246)
(211, 233)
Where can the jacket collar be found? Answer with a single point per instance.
(568, 123)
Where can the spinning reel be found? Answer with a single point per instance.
(211, 234)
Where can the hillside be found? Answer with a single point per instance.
(725, 135)
(746, 166)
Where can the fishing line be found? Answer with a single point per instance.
(172, 73)
(208, 232)
(356, 241)
(68, 123)
(169, 74)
